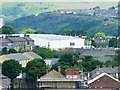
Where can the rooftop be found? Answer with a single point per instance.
(51, 61)
(31, 55)
(16, 56)
(15, 39)
(101, 75)
(52, 75)
(108, 70)
(4, 40)
(28, 39)
(52, 37)
(56, 76)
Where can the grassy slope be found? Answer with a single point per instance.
(13, 10)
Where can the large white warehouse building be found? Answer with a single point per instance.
(57, 41)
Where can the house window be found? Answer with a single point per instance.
(28, 43)
(72, 44)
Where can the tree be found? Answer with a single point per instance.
(62, 65)
(67, 31)
(11, 69)
(27, 31)
(89, 63)
(112, 8)
(35, 68)
(7, 30)
(111, 63)
(93, 43)
(100, 34)
(4, 50)
(45, 52)
(68, 59)
(70, 32)
(21, 51)
(11, 50)
(113, 42)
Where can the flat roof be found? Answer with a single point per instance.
(52, 37)
(47, 36)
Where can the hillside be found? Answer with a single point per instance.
(13, 10)
(56, 23)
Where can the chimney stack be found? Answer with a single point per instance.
(46, 70)
(59, 69)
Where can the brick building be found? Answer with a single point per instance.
(104, 81)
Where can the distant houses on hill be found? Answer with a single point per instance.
(96, 11)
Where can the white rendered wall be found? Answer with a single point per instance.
(72, 76)
(55, 43)
(58, 44)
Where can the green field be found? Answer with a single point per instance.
(13, 10)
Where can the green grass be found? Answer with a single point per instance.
(16, 10)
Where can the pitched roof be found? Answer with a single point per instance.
(31, 55)
(100, 54)
(101, 75)
(72, 72)
(4, 40)
(52, 75)
(51, 61)
(16, 56)
(108, 70)
(56, 76)
(15, 39)
(28, 38)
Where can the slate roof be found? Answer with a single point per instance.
(108, 70)
(28, 39)
(52, 75)
(101, 75)
(51, 61)
(16, 39)
(4, 40)
(16, 56)
(100, 54)
(31, 55)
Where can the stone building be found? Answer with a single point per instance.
(54, 79)
(104, 81)
(16, 42)
(22, 58)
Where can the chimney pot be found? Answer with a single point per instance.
(59, 69)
